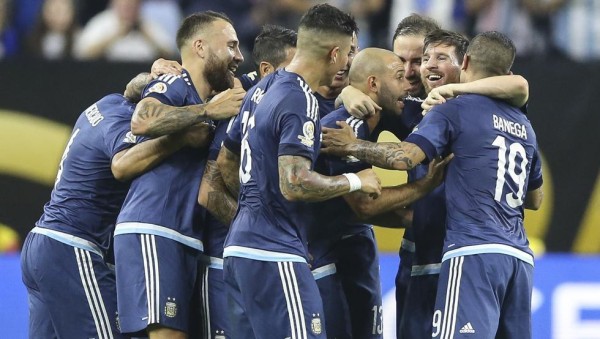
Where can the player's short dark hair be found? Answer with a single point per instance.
(193, 23)
(272, 43)
(448, 38)
(492, 53)
(328, 19)
(415, 24)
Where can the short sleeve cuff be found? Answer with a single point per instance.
(295, 150)
(425, 145)
(232, 145)
(535, 183)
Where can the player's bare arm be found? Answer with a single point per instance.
(153, 118)
(357, 103)
(389, 155)
(229, 165)
(299, 183)
(399, 218)
(398, 197)
(215, 196)
(533, 199)
(514, 89)
(133, 161)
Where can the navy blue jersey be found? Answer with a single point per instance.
(496, 162)
(286, 122)
(249, 80)
(86, 197)
(326, 106)
(332, 166)
(216, 231)
(163, 201)
(233, 140)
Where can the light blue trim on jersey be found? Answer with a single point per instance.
(408, 245)
(425, 269)
(263, 255)
(489, 248)
(324, 271)
(161, 231)
(69, 239)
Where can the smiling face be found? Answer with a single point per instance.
(410, 50)
(223, 56)
(340, 80)
(439, 66)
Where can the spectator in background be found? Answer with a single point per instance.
(120, 33)
(523, 21)
(450, 14)
(9, 42)
(54, 35)
(576, 30)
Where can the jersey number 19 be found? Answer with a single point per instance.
(514, 149)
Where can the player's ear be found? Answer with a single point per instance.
(465, 62)
(199, 47)
(373, 84)
(333, 54)
(265, 69)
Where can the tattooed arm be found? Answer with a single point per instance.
(153, 118)
(229, 166)
(389, 155)
(215, 196)
(298, 182)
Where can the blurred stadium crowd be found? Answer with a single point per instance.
(142, 30)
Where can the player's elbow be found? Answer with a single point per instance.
(119, 171)
(139, 126)
(292, 189)
(364, 211)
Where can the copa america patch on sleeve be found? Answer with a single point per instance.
(159, 87)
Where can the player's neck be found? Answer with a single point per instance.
(308, 69)
(373, 121)
(328, 92)
(196, 73)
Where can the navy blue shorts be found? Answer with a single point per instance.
(71, 291)
(272, 300)
(419, 306)
(158, 282)
(214, 300)
(407, 252)
(483, 296)
(335, 305)
(358, 269)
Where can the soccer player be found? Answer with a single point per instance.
(70, 243)
(272, 50)
(158, 237)
(279, 146)
(485, 246)
(346, 248)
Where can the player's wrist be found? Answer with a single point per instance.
(354, 181)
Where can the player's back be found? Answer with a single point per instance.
(495, 150)
(266, 220)
(166, 196)
(86, 197)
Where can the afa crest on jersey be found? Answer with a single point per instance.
(159, 87)
(308, 131)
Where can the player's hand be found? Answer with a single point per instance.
(370, 183)
(435, 173)
(337, 141)
(437, 96)
(199, 135)
(225, 104)
(162, 66)
(357, 103)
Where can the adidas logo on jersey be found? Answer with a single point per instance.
(468, 328)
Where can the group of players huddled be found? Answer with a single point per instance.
(242, 208)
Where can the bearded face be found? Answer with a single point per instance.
(219, 73)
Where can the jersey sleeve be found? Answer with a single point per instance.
(118, 136)
(296, 129)
(249, 80)
(535, 174)
(168, 89)
(233, 139)
(433, 134)
(220, 134)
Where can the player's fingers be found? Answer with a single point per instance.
(342, 124)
